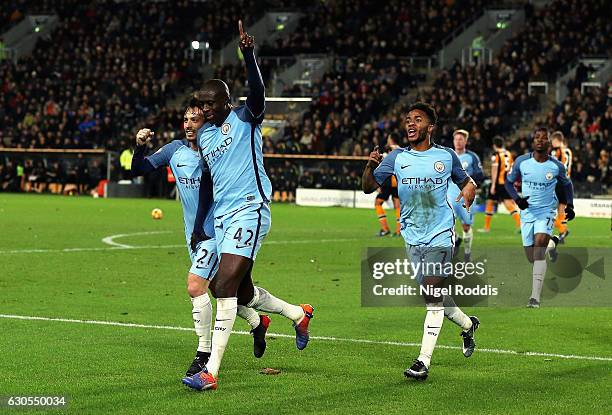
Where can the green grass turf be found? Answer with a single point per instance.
(108, 369)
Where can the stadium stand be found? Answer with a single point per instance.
(12, 12)
(493, 99)
(100, 86)
(369, 27)
(586, 122)
(557, 34)
(91, 92)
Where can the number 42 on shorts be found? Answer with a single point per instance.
(247, 234)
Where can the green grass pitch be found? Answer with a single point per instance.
(312, 255)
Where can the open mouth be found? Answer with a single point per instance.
(412, 132)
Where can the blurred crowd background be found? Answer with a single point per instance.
(112, 67)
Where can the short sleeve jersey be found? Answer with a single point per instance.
(538, 181)
(185, 165)
(233, 153)
(422, 182)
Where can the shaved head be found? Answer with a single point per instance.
(217, 86)
(214, 100)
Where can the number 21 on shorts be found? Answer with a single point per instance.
(204, 260)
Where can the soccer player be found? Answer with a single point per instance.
(564, 154)
(423, 170)
(388, 189)
(231, 146)
(183, 158)
(539, 174)
(473, 167)
(501, 163)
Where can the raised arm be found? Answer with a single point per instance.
(256, 99)
(140, 164)
(368, 181)
(378, 170)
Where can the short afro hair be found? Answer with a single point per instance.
(427, 109)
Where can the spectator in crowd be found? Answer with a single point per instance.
(100, 85)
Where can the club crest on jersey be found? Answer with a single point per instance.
(225, 128)
(464, 164)
(549, 176)
(439, 166)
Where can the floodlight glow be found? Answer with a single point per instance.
(195, 45)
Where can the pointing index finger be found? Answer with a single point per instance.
(240, 28)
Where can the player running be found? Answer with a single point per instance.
(539, 174)
(473, 167)
(423, 170)
(564, 154)
(501, 163)
(183, 158)
(231, 146)
(388, 189)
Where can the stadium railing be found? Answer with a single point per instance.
(288, 172)
(98, 165)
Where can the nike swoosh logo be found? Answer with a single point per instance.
(407, 165)
(182, 165)
(429, 327)
(227, 319)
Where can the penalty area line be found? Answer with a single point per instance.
(321, 338)
(110, 240)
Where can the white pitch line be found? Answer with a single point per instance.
(109, 240)
(64, 250)
(120, 247)
(322, 338)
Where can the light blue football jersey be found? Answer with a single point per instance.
(538, 181)
(472, 166)
(426, 217)
(185, 165)
(233, 153)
